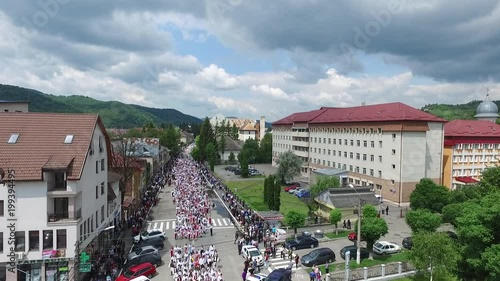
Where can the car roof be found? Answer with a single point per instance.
(384, 243)
(148, 247)
(277, 273)
(250, 247)
(322, 250)
(154, 229)
(139, 266)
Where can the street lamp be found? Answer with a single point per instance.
(358, 236)
(78, 253)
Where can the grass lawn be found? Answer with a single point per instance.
(377, 260)
(251, 192)
(341, 234)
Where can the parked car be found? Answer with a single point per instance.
(150, 233)
(302, 242)
(291, 187)
(146, 250)
(354, 237)
(318, 256)
(256, 277)
(297, 190)
(154, 259)
(253, 253)
(143, 269)
(407, 244)
(384, 248)
(156, 242)
(280, 274)
(353, 252)
(286, 182)
(304, 193)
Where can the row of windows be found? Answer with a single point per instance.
(478, 146)
(474, 159)
(87, 227)
(101, 164)
(350, 142)
(97, 190)
(327, 163)
(467, 172)
(101, 145)
(33, 241)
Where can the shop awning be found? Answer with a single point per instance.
(127, 201)
(270, 215)
(466, 179)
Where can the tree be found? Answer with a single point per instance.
(422, 220)
(250, 150)
(266, 190)
(490, 180)
(490, 258)
(170, 137)
(335, 217)
(434, 252)
(295, 220)
(323, 183)
(276, 195)
(464, 193)
(451, 212)
(265, 154)
(222, 129)
(206, 136)
(372, 226)
(222, 145)
(235, 132)
(211, 154)
(244, 167)
(289, 165)
(232, 158)
(429, 195)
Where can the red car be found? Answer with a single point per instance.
(291, 187)
(143, 269)
(353, 237)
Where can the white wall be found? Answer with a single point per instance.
(414, 156)
(435, 147)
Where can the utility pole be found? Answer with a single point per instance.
(358, 250)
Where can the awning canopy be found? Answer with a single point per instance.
(466, 179)
(128, 200)
(270, 215)
(111, 193)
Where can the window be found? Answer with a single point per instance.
(20, 241)
(319, 140)
(334, 141)
(357, 169)
(345, 154)
(96, 192)
(339, 165)
(340, 141)
(85, 230)
(329, 151)
(379, 174)
(392, 181)
(324, 140)
(328, 163)
(393, 136)
(365, 143)
(334, 153)
(350, 168)
(329, 140)
(91, 148)
(81, 231)
(379, 187)
(351, 155)
(34, 240)
(358, 143)
(97, 166)
(357, 156)
(394, 152)
(91, 224)
(371, 172)
(48, 240)
(323, 162)
(393, 166)
(372, 157)
(102, 212)
(364, 157)
(324, 151)
(96, 219)
(380, 158)
(352, 142)
(1, 208)
(13, 138)
(379, 130)
(101, 145)
(61, 239)
(372, 144)
(68, 139)
(103, 165)
(379, 143)
(1, 242)
(102, 188)
(345, 141)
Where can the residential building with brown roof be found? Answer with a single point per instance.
(389, 147)
(59, 163)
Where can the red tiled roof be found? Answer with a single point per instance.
(41, 142)
(471, 128)
(466, 179)
(395, 111)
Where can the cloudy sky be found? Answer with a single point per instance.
(250, 58)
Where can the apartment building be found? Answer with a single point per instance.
(470, 146)
(59, 197)
(389, 147)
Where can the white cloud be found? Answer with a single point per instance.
(217, 77)
(268, 91)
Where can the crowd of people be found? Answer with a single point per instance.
(193, 207)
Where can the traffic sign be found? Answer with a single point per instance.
(85, 267)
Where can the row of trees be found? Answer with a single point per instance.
(272, 193)
(474, 212)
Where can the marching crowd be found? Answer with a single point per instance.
(193, 219)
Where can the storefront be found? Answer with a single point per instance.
(57, 271)
(50, 269)
(30, 272)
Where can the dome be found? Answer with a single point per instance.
(487, 109)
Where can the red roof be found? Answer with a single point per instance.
(395, 111)
(466, 179)
(471, 128)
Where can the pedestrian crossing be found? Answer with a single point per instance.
(275, 263)
(170, 224)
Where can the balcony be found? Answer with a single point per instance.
(64, 216)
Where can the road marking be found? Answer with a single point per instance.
(161, 225)
(218, 220)
(225, 223)
(167, 225)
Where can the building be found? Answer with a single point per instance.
(470, 146)
(247, 128)
(343, 175)
(14, 106)
(59, 164)
(344, 198)
(233, 146)
(388, 147)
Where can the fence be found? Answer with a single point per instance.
(366, 273)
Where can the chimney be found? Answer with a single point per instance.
(262, 127)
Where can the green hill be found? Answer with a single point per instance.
(114, 114)
(454, 112)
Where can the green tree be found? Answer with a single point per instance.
(490, 179)
(171, 138)
(429, 195)
(265, 154)
(206, 136)
(451, 212)
(250, 150)
(276, 191)
(265, 194)
(422, 220)
(235, 132)
(295, 220)
(490, 258)
(289, 165)
(323, 183)
(228, 130)
(211, 154)
(222, 145)
(335, 217)
(372, 226)
(222, 129)
(437, 252)
(244, 167)
(465, 193)
(232, 158)
(195, 153)
(269, 192)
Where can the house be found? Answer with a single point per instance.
(345, 199)
(247, 128)
(58, 164)
(388, 147)
(233, 146)
(186, 137)
(470, 146)
(14, 106)
(343, 175)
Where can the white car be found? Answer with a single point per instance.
(252, 252)
(384, 247)
(256, 277)
(150, 233)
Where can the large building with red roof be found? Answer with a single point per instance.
(387, 146)
(470, 146)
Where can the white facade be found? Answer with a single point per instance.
(53, 216)
(247, 134)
